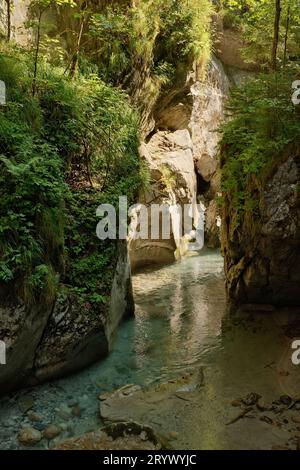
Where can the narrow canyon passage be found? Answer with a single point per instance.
(192, 360)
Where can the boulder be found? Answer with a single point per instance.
(29, 436)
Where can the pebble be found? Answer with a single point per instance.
(63, 414)
(174, 435)
(35, 417)
(29, 436)
(63, 426)
(51, 431)
(236, 403)
(40, 426)
(266, 419)
(143, 436)
(72, 403)
(76, 411)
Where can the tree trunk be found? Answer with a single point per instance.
(8, 19)
(287, 25)
(36, 56)
(74, 61)
(75, 58)
(276, 33)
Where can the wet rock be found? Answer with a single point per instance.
(34, 417)
(262, 406)
(63, 414)
(119, 436)
(237, 403)
(251, 399)
(25, 403)
(29, 436)
(286, 400)
(40, 426)
(266, 419)
(76, 411)
(104, 396)
(129, 389)
(296, 419)
(63, 426)
(72, 403)
(51, 431)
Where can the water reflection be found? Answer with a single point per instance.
(179, 311)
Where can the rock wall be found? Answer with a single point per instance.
(183, 149)
(18, 17)
(262, 254)
(49, 342)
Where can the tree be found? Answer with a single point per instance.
(39, 7)
(287, 25)
(8, 19)
(82, 19)
(270, 29)
(276, 33)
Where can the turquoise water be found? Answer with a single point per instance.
(180, 324)
(177, 324)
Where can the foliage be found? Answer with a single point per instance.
(68, 131)
(263, 122)
(255, 20)
(67, 145)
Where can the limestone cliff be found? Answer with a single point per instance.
(183, 149)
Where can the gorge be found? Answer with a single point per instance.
(148, 343)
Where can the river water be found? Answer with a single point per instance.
(181, 324)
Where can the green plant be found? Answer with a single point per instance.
(64, 151)
(263, 122)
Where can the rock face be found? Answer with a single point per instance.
(262, 256)
(46, 343)
(169, 158)
(207, 115)
(181, 155)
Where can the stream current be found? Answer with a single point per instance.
(181, 324)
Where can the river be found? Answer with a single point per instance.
(181, 325)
